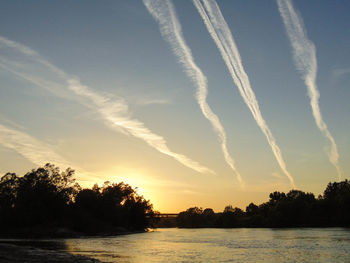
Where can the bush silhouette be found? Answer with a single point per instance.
(47, 199)
(294, 209)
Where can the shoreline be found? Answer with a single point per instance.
(62, 233)
(17, 253)
(67, 234)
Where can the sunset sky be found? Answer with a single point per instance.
(117, 91)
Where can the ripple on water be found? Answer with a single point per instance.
(220, 245)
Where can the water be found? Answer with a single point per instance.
(217, 245)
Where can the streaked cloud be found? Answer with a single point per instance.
(164, 13)
(304, 53)
(32, 149)
(39, 152)
(222, 36)
(339, 72)
(29, 65)
(150, 101)
(115, 114)
(277, 175)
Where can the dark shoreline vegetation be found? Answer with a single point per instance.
(22, 253)
(46, 202)
(294, 209)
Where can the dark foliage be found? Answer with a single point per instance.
(294, 209)
(46, 199)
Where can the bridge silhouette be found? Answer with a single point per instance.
(166, 215)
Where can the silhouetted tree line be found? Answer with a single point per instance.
(294, 209)
(46, 201)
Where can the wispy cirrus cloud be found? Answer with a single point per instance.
(31, 148)
(339, 72)
(27, 64)
(304, 53)
(222, 36)
(164, 13)
(116, 115)
(38, 152)
(152, 101)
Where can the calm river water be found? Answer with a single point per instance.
(328, 245)
(220, 245)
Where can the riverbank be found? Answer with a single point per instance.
(11, 253)
(47, 232)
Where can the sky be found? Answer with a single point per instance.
(196, 103)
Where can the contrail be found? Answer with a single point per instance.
(304, 53)
(114, 112)
(36, 151)
(164, 13)
(32, 149)
(222, 36)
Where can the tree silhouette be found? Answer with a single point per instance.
(46, 199)
(336, 201)
(294, 209)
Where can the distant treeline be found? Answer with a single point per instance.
(48, 202)
(294, 209)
